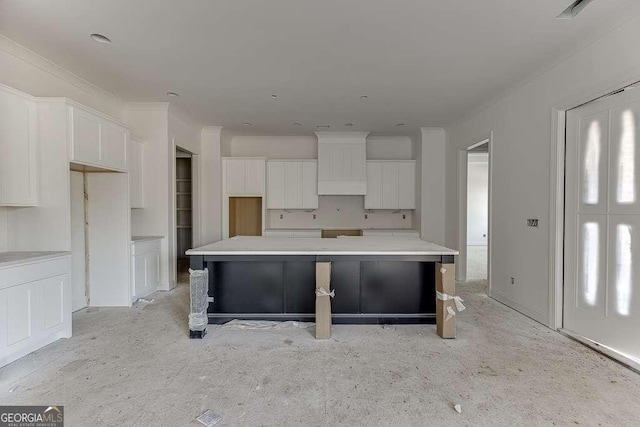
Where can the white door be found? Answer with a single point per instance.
(78, 252)
(602, 223)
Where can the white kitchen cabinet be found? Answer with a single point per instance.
(145, 266)
(407, 234)
(390, 184)
(136, 173)
(18, 149)
(97, 140)
(244, 177)
(35, 302)
(292, 184)
(293, 233)
(342, 159)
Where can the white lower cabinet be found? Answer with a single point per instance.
(145, 267)
(35, 306)
(407, 234)
(293, 233)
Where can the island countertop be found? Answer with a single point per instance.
(242, 245)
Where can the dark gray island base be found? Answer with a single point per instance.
(375, 279)
(368, 288)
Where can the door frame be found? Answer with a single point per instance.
(461, 262)
(557, 185)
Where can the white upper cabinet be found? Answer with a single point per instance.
(342, 158)
(97, 140)
(390, 184)
(292, 184)
(136, 168)
(18, 149)
(244, 177)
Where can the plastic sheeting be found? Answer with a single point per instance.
(199, 287)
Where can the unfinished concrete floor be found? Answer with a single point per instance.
(136, 367)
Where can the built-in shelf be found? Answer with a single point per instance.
(183, 179)
(183, 194)
(183, 209)
(184, 226)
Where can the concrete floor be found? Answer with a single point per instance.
(476, 263)
(136, 367)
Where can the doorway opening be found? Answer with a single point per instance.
(477, 212)
(184, 209)
(474, 210)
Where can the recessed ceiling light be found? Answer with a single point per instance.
(246, 124)
(323, 126)
(297, 124)
(274, 96)
(173, 94)
(364, 97)
(100, 38)
(399, 124)
(348, 124)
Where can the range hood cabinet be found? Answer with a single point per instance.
(342, 163)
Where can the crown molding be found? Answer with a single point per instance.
(38, 61)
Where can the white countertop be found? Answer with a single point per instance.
(136, 239)
(318, 246)
(8, 259)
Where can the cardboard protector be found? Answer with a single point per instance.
(323, 300)
(445, 284)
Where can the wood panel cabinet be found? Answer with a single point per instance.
(97, 140)
(390, 184)
(18, 149)
(292, 184)
(136, 173)
(244, 177)
(35, 306)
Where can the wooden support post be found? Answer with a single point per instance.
(323, 302)
(445, 284)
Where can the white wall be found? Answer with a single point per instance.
(389, 148)
(431, 172)
(522, 126)
(339, 212)
(151, 124)
(477, 198)
(211, 188)
(275, 147)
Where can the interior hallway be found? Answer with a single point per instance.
(137, 366)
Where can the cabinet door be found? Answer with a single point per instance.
(139, 276)
(254, 177)
(51, 292)
(85, 137)
(136, 188)
(153, 270)
(113, 145)
(310, 185)
(235, 177)
(19, 315)
(293, 185)
(18, 150)
(390, 185)
(373, 198)
(275, 185)
(407, 185)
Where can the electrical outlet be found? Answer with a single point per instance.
(314, 216)
(532, 222)
(404, 216)
(281, 216)
(366, 216)
(513, 280)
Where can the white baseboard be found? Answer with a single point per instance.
(629, 362)
(33, 346)
(534, 314)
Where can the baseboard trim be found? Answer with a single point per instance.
(612, 354)
(534, 314)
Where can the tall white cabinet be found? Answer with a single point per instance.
(391, 184)
(18, 148)
(292, 184)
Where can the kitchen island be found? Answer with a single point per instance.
(376, 279)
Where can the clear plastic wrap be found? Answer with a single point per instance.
(199, 287)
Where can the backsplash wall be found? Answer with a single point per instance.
(338, 212)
